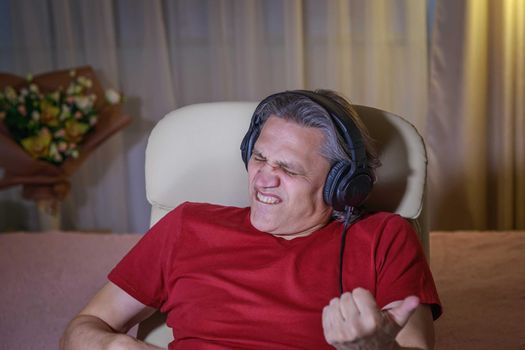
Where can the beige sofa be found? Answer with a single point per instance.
(193, 155)
(46, 278)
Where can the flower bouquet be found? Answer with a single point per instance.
(49, 124)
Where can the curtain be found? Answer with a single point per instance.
(476, 123)
(166, 54)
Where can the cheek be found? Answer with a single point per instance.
(307, 193)
(316, 193)
(251, 171)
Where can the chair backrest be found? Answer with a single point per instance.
(193, 155)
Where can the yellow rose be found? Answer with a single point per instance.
(49, 113)
(37, 146)
(75, 131)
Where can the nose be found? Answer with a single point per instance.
(267, 176)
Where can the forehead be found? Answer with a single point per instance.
(288, 138)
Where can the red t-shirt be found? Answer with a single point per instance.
(226, 285)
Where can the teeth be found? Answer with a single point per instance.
(266, 199)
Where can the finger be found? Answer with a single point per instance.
(332, 319)
(332, 313)
(327, 319)
(369, 313)
(329, 328)
(348, 307)
(402, 312)
(364, 301)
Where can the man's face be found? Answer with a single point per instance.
(287, 174)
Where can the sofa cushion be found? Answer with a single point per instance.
(47, 278)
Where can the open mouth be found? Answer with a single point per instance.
(267, 199)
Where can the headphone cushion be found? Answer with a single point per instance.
(345, 186)
(354, 190)
(333, 179)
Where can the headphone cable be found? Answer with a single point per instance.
(350, 218)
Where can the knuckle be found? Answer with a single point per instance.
(360, 291)
(334, 302)
(346, 296)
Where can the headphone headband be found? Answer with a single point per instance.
(345, 127)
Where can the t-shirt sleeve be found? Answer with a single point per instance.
(143, 271)
(402, 268)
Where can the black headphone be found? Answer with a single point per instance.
(348, 183)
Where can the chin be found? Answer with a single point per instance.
(258, 223)
(261, 223)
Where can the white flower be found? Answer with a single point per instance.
(83, 102)
(62, 146)
(65, 113)
(55, 96)
(10, 93)
(33, 88)
(82, 80)
(112, 96)
(35, 115)
(53, 151)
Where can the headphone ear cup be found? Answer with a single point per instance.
(333, 179)
(354, 189)
(345, 186)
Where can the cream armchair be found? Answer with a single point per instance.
(193, 155)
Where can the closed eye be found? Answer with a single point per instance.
(284, 166)
(289, 172)
(258, 157)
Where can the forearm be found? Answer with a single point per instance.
(394, 346)
(90, 332)
(399, 347)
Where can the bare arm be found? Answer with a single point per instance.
(103, 323)
(418, 333)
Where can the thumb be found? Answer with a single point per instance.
(402, 312)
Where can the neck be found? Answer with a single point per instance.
(307, 232)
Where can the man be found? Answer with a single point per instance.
(267, 276)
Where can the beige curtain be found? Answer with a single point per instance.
(166, 54)
(476, 124)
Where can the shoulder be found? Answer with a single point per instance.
(383, 229)
(379, 224)
(383, 220)
(190, 208)
(191, 212)
(191, 220)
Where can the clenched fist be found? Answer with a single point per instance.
(354, 322)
